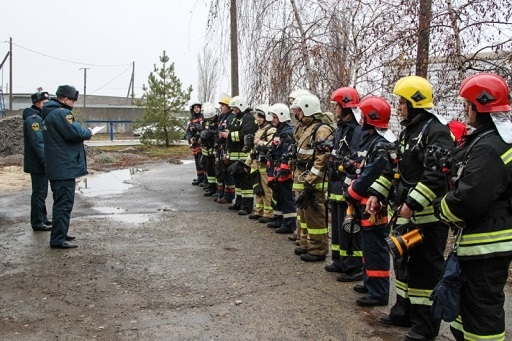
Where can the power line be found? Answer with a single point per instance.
(129, 66)
(68, 61)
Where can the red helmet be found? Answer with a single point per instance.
(346, 97)
(376, 111)
(488, 91)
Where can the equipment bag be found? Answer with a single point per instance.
(446, 295)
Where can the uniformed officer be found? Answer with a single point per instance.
(33, 161)
(65, 157)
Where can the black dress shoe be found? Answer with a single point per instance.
(332, 268)
(300, 251)
(243, 212)
(312, 258)
(65, 245)
(353, 277)
(48, 223)
(369, 302)
(412, 336)
(42, 228)
(387, 320)
(360, 288)
(273, 225)
(70, 238)
(265, 220)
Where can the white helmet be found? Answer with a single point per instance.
(238, 102)
(264, 108)
(309, 104)
(208, 110)
(297, 93)
(281, 110)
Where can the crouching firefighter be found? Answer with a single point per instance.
(480, 200)
(309, 179)
(377, 152)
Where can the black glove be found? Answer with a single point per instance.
(258, 190)
(283, 172)
(436, 204)
(306, 197)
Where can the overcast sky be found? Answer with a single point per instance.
(54, 39)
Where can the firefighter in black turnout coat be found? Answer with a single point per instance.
(416, 187)
(481, 201)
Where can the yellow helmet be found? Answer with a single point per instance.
(225, 99)
(416, 90)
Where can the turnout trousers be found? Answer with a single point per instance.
(482, 316)
(346, 247)
(423, 271)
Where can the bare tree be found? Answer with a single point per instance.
(208, 76)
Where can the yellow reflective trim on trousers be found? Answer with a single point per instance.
(343, 253)
(402, 289)
(262, 170)
(336, 197)
(303, 226)
(289, 215)
(457, 324)
(211, 179)
(259, 205)
(335, 247)
(507, 156)
(474, 337)
(422, 194)
(317, 231)
(420, 296)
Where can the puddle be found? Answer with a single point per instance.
(187, 162)
(110, 183)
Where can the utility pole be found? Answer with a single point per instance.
(425, 16)
(131, 85)
(10, 74)
(85, 82)
(234, 49)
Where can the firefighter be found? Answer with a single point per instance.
(415, 189)
(279, 172)
(480, 202)
(208, 137)
(242, 124)
(309, 178)
(195, 125)
(296, 187)
(378, 150)
(345, 247)
(257, 160)
(225, 193)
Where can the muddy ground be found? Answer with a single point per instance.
(158, 261)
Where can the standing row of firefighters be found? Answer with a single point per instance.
(378, 188)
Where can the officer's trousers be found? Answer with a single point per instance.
(38, 213)
(63, 201)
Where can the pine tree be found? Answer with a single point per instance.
(162, 97)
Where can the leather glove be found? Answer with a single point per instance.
(283, 172)
(436, 204)
(307, 197)
(258, 190)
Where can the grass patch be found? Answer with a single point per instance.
(152, 151)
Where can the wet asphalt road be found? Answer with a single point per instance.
(201, 272)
